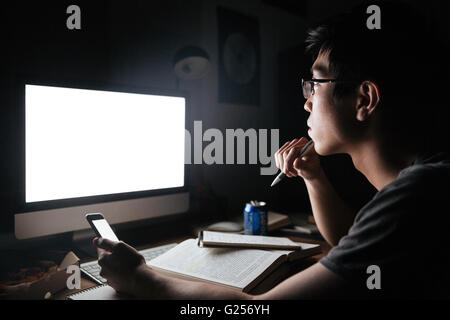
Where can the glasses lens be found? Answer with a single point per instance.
(307, 89)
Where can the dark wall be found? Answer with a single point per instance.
(37, 45)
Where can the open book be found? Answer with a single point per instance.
(237, 268)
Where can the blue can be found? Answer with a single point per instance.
(255, 218)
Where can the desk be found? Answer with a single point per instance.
(290, 269)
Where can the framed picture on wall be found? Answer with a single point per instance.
(239, 58)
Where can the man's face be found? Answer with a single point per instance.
(331, 120)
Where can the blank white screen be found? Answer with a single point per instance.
(105, 229)
(86, 142)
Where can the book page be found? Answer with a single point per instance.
(212, 237)
(228, 266)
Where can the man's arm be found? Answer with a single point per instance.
(316, 282)
(333, 217)
(154, 285)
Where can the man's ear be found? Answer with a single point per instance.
(368, 99)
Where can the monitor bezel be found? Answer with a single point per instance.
(23, 206)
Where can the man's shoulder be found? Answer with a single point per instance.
(426, 172)
(417, 187)
(429, 163)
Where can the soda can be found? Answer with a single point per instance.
(255, 218)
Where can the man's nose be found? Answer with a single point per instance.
(308, 105)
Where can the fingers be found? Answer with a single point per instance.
(298, 164)
(103, 273)
(100, 251)
(104, 259)
(286, 155)
(288, 145)
(277, 154)
(289, 160)
(282, 153)
(108, 262)
(123, 247)
(115, 254)
(279, 160)
(106, 268)
(105, 244)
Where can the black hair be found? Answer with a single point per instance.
(401, 58)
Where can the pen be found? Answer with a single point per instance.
(282, 175)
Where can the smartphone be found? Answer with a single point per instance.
(101, 226)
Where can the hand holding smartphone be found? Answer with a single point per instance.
(101, 226)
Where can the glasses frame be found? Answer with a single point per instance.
(312, 81)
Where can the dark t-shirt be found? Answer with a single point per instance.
(405, 231)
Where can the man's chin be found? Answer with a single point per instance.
(323, 150)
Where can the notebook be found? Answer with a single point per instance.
(102, 292)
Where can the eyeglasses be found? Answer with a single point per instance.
(308, 85)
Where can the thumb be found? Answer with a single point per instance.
(300, 160)
(105, 244)
(297, 164)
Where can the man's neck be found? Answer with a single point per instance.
(379, 164)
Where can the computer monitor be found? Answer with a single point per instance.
(115, 150)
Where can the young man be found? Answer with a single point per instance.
(370, 96)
